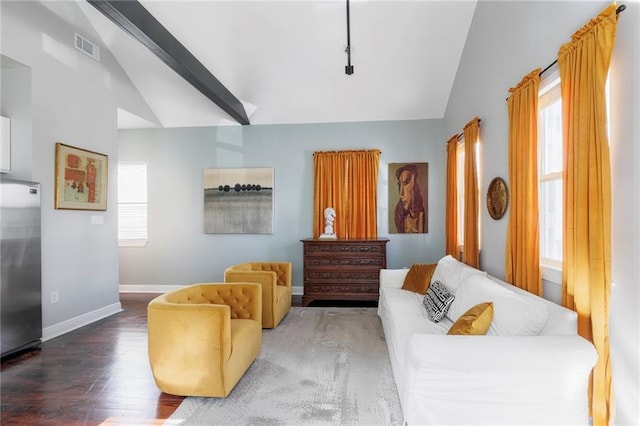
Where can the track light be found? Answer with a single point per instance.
(348, 69)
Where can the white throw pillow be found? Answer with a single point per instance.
(452, 272)
(513, 314)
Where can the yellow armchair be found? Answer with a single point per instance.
(275, 278)
(204, 337)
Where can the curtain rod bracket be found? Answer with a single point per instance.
(461, 135)
(620, 9)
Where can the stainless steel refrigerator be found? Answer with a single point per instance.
(20, 262)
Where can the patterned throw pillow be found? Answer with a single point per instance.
(437, 301)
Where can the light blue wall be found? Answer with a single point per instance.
(180, 253)
(508, 40)
(55, 93)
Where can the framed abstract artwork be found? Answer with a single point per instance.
(408, 198)
(238, 201)
(80, 179)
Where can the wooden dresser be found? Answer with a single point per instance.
(343, 269)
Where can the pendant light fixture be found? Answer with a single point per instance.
(348, 69)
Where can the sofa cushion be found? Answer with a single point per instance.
(402, 301)
(392, 278)
(437, 301)
(418, 277)
(476, 321)
(452, 273)
(408, 312)
(514, 314)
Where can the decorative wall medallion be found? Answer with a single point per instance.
(497, 198)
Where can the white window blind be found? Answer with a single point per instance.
(132, 204)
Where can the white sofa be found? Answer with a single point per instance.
(530, 368)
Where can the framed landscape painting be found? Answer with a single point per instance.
(238, 201)
(80, 179)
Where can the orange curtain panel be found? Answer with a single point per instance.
(329, 191)
(363, 194)
(348, 182)
(586, 267)
(451, 206)
(522, 254)
(471, 248)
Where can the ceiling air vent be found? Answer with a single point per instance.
(87, 47)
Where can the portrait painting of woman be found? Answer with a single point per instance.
(408, 198)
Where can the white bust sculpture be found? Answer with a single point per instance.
(329, 217)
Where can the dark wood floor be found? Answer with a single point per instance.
(98, 374)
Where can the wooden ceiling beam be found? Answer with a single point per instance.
(133, 18)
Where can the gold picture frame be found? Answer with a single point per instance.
(80, 179)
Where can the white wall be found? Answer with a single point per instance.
(71, 100)
(508, 40)
(180, 253)
(625, 158)
(15, 102)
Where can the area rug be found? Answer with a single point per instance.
(320, 366)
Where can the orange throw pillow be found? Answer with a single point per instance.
(419, 277)
(476, 321)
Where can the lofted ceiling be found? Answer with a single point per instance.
(285, 60)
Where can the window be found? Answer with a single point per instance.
(460, 180)
(132, 204)
(460, 169)
(550, 159)
(551, 164)
(342, 179)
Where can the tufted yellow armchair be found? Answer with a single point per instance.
(204, 337)
(275, 278)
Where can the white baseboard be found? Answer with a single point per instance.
(296, 290)
(80, 321)
(141, 288)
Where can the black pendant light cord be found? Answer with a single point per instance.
(349, 68)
